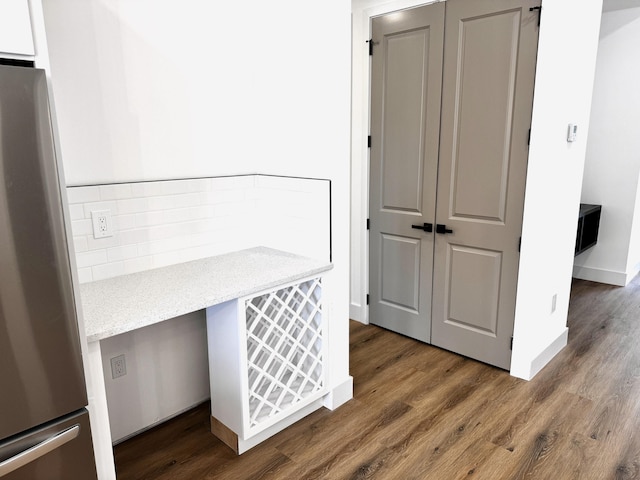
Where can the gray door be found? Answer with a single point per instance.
(488, 82)
(457, 288)
(405, 125)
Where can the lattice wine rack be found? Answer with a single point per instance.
(284, 349)
(278, 368)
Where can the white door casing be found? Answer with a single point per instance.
(489, 69)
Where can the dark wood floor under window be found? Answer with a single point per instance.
(423, 413)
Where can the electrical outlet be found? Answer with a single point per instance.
(118, 366)
(102, 226)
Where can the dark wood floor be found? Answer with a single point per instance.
(423, 413)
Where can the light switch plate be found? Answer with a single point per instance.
(572, 132)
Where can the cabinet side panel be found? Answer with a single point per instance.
(225, 338)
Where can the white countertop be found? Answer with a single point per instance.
(121, 304)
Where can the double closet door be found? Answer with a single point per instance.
(451, 97)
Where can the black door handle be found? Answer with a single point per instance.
(440, 228)
(427, 227)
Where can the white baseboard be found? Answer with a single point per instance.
(599, 275)
(356, 312)
(340, 394)
(548, 353)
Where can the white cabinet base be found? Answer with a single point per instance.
(267, 355)
(340, 394)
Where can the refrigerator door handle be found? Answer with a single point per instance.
(38, 450)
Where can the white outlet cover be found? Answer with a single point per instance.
(102, 224)
(118, 367)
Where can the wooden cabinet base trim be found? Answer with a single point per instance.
(225, 434)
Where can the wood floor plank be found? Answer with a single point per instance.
(465, 461)
(552, 446)
(343, 431)
(431, 430)
(420, 412)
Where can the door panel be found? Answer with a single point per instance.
(485, 63)
(400, 277)
(475, 286)
(488, 81)
(405, 124)
(403, 105)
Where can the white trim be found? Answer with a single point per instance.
(339, 394)
(355, 312)
(602, 275)
(99, 414)
(548, 353)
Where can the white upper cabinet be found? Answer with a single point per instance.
(16, 38)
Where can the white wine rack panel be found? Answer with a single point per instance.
(284, 349)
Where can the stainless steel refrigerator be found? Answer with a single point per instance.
(44, 425)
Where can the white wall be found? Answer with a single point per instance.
(613, 150)
(563, 95)
(564, 84)
(250, 87)
(167, 373)
(152, 90)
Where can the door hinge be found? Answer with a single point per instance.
(529, 138)
(511, 345)
(519, 244)
(367, 299)
(368, 224)
(539, 13)
(369, 141)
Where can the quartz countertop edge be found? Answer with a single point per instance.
(121, 304)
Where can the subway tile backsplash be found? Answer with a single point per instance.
(166, 222)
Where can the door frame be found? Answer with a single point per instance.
(360, 118)
(538, 334)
